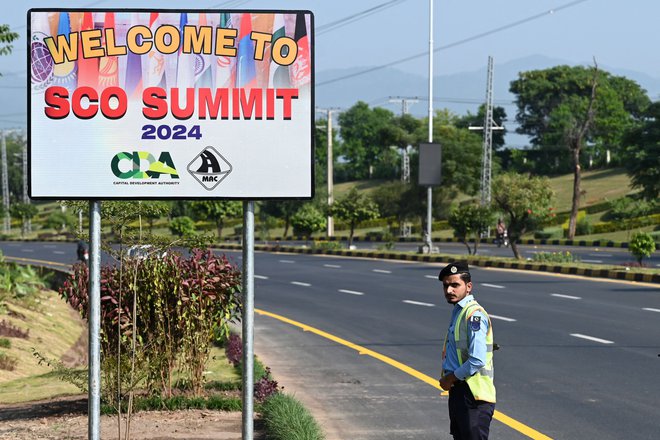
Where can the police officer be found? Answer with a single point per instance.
(467, 358)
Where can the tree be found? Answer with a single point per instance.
(362, 130)
(23, 212)
(283, 209)
(642, 154)
(470, 220)
(526, 202)
(499, 116)
(354, 208)
(6, 38)
(182, 226)
(217, 211)
(566, 108)
(307, 220)
(641, 245)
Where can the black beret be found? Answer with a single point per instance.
(453, 269)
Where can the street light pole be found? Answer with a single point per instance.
(429, 190)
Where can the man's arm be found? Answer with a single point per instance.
(477, 349)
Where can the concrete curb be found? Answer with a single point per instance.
(446, 258)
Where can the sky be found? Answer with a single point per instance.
(616, 33)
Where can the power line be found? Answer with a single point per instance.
(355, 17)
(456, 43)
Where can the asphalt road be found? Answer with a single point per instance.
(579, 356)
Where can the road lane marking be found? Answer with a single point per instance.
(49, 246)
(59, 252)
(261, 277)
(592, 261)
(599, 255)
(299, 283)
(497, 415)
(32, 260)
(334, 266)
(352, 292)
(591, 338)
(27, 250)
(433, 277)
(559, 295)
(495, 286)
(649, 309)
(381, 271)
(287, 261)
(417, 303)
(502, 318)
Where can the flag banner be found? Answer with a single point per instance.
(163, 104)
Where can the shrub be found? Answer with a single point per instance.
(326, 245)
(265, 387)
(286, 418)
(181, 305)
(583, 227)
(61, 221)
(234, 349)
(7, 362)
(182, 226)
(554, 257)
(641, 245)
(6, 329)
(5, 343)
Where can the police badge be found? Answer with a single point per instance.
(475, 323)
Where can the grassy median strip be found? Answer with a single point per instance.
(285, 418)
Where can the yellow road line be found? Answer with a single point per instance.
(31, 260)
(510, 422)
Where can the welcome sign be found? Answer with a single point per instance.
(163, 104)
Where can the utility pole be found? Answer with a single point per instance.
(5, 185)
(488, 127)
(405, 158)
(26, 198)
(331, 224)
(429, 191)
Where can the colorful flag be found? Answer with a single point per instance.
(278, 75)
(133, 80)
(41, 61)
(224, 71)
(108, 65)
(185, 72)
(300, 71)
(156, 66)
(66, 73)
(88, 69)
(263, 23)
(246, 74)
(203, 74)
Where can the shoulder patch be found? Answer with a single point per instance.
(475, 323)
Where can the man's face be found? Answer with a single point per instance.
(455, 288)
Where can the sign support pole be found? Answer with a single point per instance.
(248, 320)
(94, 375)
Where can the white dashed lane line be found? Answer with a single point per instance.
(592, 261)
(381, 271)
(299, 283)
(433, 277)
(417, 303)
(351, 292)
(261, 277)
(494, 286)
(502, 318)
(287, 261)
(600, 255)
(59, 252)
(591, 338)
(649, 309)
(333, 266)
(27, 250)
(559, 295)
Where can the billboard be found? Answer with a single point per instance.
(139, 104)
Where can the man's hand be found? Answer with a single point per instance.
(447, 381)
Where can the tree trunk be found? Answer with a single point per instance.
(576, 193)
(350, 236)
(514, 248)
(477, 240)
(286, 227)
(467, 245)
(219, 225)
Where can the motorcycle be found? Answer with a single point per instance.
(503, 239)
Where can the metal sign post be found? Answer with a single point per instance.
(94, 375)
(248, 319)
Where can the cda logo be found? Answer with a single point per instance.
(132, 165)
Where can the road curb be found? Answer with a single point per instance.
(446, 258)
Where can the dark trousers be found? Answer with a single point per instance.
(469, 418)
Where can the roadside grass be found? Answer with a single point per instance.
(598, 186)
(285, 418)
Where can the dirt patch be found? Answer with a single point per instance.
(66, 419)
